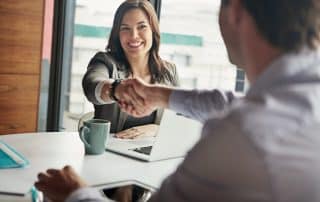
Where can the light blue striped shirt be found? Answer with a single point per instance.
(263, 147)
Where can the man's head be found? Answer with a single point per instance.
(287, 25)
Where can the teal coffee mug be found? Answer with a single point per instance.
(94, 134)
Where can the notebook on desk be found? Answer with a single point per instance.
(175, 136)
(10, 158)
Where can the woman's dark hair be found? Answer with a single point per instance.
(157, 68)
(287, 24)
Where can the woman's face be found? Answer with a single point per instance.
(135, 34)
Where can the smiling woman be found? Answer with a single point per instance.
(132, 51)
(136, 35)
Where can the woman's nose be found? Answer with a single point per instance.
(134, 33)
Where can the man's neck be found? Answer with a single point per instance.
(258, 61)
(258, 54)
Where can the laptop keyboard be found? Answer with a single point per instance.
(143, 150)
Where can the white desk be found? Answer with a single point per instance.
(43, 150)
(110, 167)
(54, 150)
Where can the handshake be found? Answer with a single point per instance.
(139, 99)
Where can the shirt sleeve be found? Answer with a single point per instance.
(86, 194)
(199, 105)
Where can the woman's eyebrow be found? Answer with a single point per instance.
(141, 22)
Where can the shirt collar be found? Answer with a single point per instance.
(286, 69)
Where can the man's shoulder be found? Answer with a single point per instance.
(252, 116)
(261, 120)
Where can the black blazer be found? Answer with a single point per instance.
(103, 66)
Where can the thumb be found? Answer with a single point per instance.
(139, 86)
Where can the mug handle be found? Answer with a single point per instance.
(83, 131)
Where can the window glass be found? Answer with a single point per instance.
(191, 39)
(45, 64)
(92, 23)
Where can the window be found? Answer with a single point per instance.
(240, 81)
(182, 60)
(92, 23)
(191, 38)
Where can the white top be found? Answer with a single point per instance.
(264, 147)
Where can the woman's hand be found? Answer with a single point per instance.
(125, 92)
(148, 130)
(151, 97)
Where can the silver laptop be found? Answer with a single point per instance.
(176, 135)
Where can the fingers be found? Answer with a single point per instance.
(136, 112)
(43, 177)
(48, 175)
(131, 108)
(41, 186)
(127, 94)
(148, 130)
(57, 185)
(139, 86)
(53, 172)
(136, 98)
(68, 169)
(43, 182)
(129, 134)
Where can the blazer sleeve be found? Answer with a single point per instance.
(100, 68)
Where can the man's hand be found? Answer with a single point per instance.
(123, 92)
(127, 94)
(150, 98)
(57, 185)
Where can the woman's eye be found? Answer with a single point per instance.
(142, 27)
(124, 28)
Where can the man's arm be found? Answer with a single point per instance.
(199, 105)
(195, 104)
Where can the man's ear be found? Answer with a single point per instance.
(235, 12)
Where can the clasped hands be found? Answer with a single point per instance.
(137, 97)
